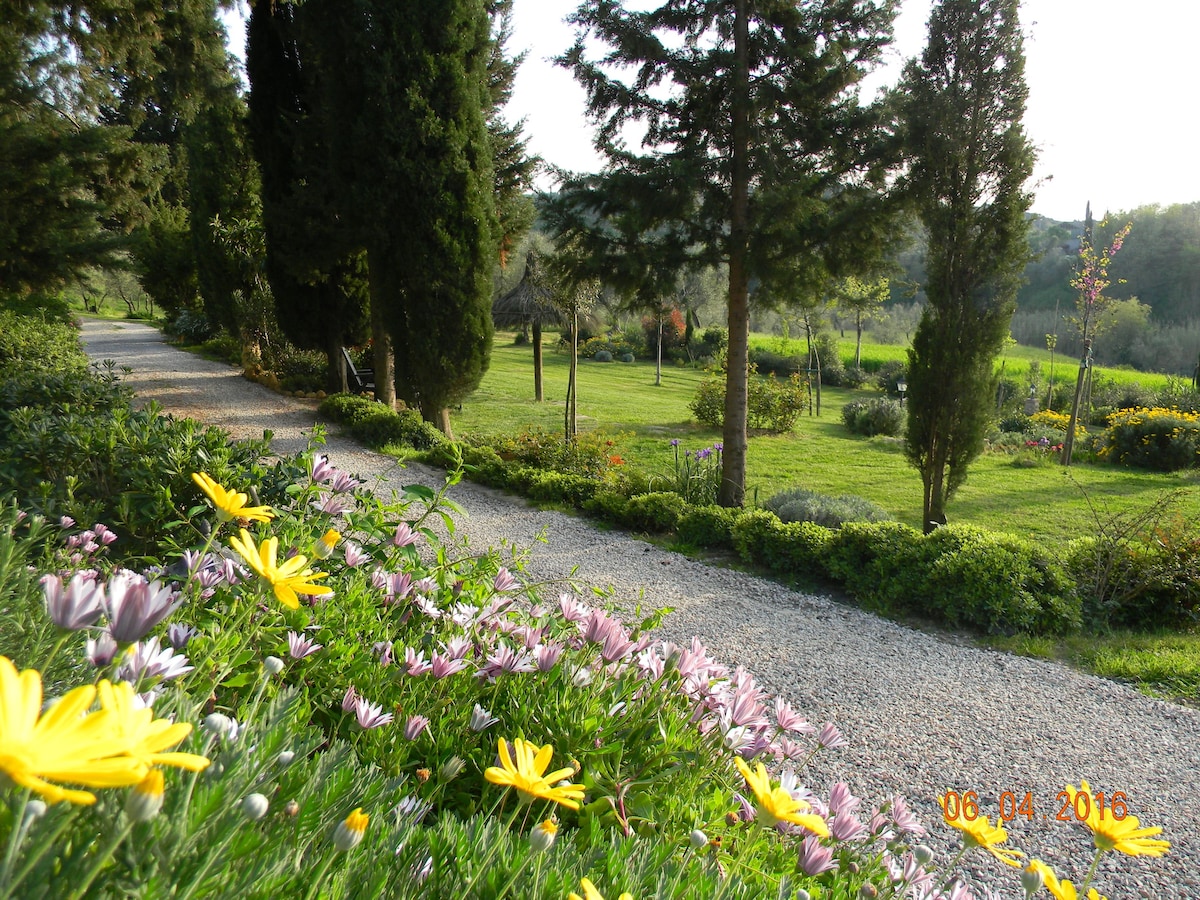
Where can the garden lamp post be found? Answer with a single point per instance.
(901, 386)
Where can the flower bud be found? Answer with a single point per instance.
(698, 839)
(1032, 880)
(292, 808)
(218, 723)
(868, 892)
(34, 809)
(922, 854)
(146, 798)
(349, 833)
(450, 768)
(802, 894)
(323, 548)
(273, 665)
(285, 757)
(255, 806)
(541, 837)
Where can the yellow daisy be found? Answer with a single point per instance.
(288, 580)
(230, 504)
(979, 832)
(590, 892)
(145, 736)
(774, 804)
(1060, 890)
(66, 743)
(1124, 834)
(527, 774)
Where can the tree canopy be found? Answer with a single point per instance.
(969, 161)
(755, 153)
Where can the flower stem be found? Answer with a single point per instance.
(14, 840)
(1091, 872)
(315, 884)
(104, 857)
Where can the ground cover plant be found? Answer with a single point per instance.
(329, 695)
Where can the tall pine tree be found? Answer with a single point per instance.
(756, 153)
(969, 162)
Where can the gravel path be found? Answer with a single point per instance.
(923, 714)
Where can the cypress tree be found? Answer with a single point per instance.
(969, 161)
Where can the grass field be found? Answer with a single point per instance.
(1003, 493)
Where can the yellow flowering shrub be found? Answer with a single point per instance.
(1056, 420)
(1158, 438)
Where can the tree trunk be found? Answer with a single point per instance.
(658, 361)
(1069, 440)
(338, 381)
(733, 460)
(442, 421)
(858, 342)
(385, 368)
(935, 510)
(570, 419)
(537, 360)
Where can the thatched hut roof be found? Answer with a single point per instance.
(530, 301)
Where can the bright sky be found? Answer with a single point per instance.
(1114, 97)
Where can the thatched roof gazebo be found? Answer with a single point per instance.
(530, 304)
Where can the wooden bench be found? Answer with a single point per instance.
(359, 380)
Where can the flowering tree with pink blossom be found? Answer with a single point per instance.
(1090, 281)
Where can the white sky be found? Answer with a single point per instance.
(1114, 97)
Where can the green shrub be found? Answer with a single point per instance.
(659, 511)
(833, 369)
(768, 362)
(797, 548)
(875, 416)
(28, 343)
(772, 404)
(603, 356)
(608, 505)
(1159, 439)
(706, 526)
(626, 357)
(191, 327)
(998, 583)
(376, 425)
(714, 342)
(1144, 581)
(302, 370)
(801, 505)
(882, 564)
(563, 487)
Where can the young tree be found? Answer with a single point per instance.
(756, 152)
(969, 161)
(864, 300)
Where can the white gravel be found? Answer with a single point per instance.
(922, 713)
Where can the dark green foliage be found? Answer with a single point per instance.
(872, 417)
(970, 159)
(100, 461)
(602, 356)
(658, 511)
(563, 487)
(997, 584)
(313, 260)
(795, 548)
(801, 505)
(608, 505)
(706, 526)
(377, 425)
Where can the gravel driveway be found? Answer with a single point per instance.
(923, 714)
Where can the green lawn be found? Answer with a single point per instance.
(1002, 493)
